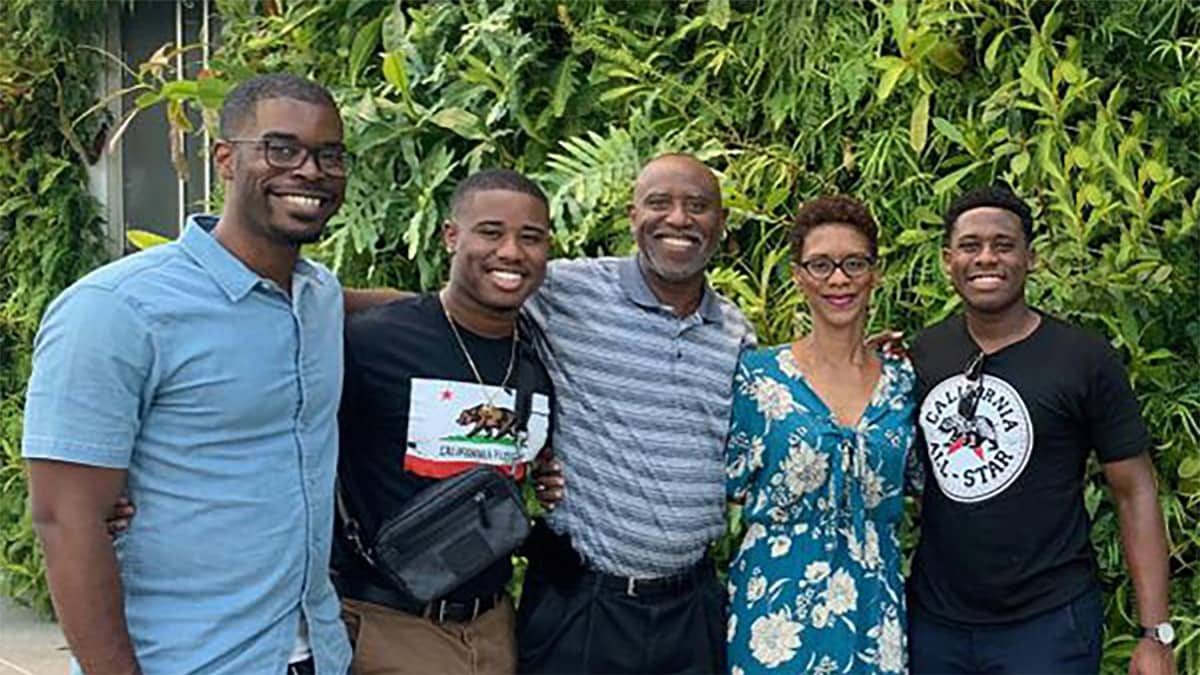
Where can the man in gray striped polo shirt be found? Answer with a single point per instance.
(642, 353)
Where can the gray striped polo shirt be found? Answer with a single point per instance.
(643, 401)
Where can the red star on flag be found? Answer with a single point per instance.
(447, 394)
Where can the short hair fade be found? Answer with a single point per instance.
(496, 179)
(240, 103)
(993, 196)
(832, 210)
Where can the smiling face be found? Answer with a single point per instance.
(838, 300)
(499, 241)
(676, 218)
(988, 259)
(289, 206)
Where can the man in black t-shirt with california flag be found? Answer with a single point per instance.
(1012, 403)
(430, 391)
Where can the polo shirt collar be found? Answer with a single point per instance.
(633, 282)
(231, 274)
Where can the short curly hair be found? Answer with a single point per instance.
(242, 101)
(994, 196)
(832, 210)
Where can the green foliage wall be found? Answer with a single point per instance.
(1090, 109)
(50, 228)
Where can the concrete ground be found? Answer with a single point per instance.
(29, 645)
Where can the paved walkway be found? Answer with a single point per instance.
(28, 645)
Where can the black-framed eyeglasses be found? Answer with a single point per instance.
(280, 153)
(853, 266)
(968, 403)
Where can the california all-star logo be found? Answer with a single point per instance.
(975, 459)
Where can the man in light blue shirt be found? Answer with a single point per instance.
(203, 378)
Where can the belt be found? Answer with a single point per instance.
(438, 611)
(637, 586)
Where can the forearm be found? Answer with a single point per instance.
(1143, 537)
(85, 585)
(358, 299)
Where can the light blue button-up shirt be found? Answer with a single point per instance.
(219, 394)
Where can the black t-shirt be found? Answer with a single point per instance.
(1004, 532)
(410, 416)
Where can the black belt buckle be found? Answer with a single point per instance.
(441, 611)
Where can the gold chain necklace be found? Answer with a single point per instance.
(489, 405)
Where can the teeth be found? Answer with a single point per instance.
(677, 242)
(506, 276)
(301, 200)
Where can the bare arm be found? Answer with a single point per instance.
(70, 503)
(358, 299)
(1143, 537)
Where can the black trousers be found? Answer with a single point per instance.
(1063, 640)
(592, 623)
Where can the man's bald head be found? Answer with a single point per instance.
(679, 163)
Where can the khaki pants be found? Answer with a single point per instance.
(390, 642)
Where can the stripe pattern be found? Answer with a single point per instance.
(643, 402)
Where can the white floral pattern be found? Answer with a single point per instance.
(774, 398)
(816, 584)
(774, 639)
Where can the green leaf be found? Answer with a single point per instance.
(148, 99)
(1019, 163)
(947, 57)
(462, 122)
(898, 17)
(211, 91)
(718, 13)
(947, 129)
(893, 69)
(179, 90)
(989, 56)
(395, 72)
(142, 240)
(365, 41)
(949, 181)
(395, 29)
(918, 126)
(47, 179)
(564, 85)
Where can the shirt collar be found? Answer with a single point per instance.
(231, 274)
(633, 282)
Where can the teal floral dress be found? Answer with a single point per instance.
(816, 585)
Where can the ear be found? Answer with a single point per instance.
(223, 157)
(450, 235)
(631, 211)
(946, 253)
(1034, 260)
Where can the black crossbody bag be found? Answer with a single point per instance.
(454, 529)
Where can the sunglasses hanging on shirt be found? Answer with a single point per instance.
(968, 403)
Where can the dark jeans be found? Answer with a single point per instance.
(589, 624)
(1065, 640)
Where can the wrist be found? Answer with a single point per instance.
(1162, 632)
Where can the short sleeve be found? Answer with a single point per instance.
(744, 445)
(1115, 426)
(94, 370)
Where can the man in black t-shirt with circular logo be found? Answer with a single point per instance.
(1012, 402)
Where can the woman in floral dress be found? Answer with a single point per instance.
(820, 434)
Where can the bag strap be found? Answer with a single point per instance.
(350, 526)
(525, 383)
